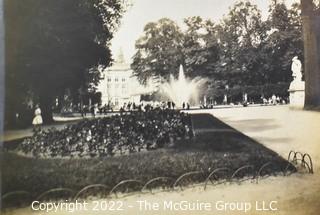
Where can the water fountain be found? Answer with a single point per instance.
(182, 89)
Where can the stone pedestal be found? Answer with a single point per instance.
(296, 91)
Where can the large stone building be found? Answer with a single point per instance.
(119, 86)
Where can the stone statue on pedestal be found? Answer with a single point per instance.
(297, 86)
(296, 69)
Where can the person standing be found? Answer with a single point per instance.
(37, 120)
(94, 110)
(274, 99)
(173, 105)
(169, 105)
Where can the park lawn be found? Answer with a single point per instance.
(205, 153)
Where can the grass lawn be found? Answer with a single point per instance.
(215, 145)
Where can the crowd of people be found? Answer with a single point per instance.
(133, 131)
(274, 100)
(96, 109)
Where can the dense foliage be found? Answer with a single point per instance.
(55, 45)
(241, 50)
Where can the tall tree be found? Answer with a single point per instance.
(241, 34)
(159, 50)
(283, 43)
(200, 47)
(311, 38)
(52, 45)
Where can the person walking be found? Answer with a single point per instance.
(37, 120)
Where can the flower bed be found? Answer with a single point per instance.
(110, 136)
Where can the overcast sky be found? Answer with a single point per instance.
(144, 11)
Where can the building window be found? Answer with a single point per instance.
(117, 86)
(116, 79)
(109, 79)
(123, 79)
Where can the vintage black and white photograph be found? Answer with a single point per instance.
(160, 107)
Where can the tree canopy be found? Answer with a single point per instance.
(158, 50)
(242, 49)
(55, 45)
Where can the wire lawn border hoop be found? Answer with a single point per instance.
(55, 190)
(154, 180)
(295, 156)
(13, 193)
(184, 176)
(306, 155)
(305, 160)
(263, 167)
(89, 187)
(113, 190)
(213, 174)
(240, 169)
(294, 159)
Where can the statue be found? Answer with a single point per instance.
(296, 69)
(297, 86)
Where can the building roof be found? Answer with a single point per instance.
(119, 64)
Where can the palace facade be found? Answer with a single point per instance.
(119, 86)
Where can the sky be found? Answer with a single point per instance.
(145, 11)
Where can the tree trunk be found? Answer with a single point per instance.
(311, 37)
